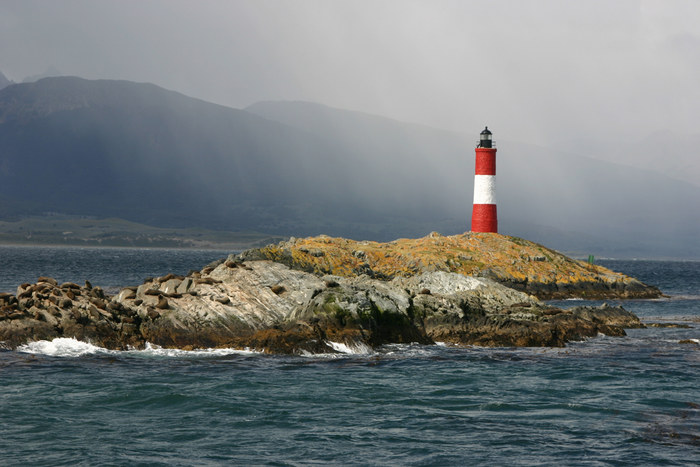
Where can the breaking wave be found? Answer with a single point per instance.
(357, 348)
(70, 347)
(62, 347)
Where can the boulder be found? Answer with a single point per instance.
(170, 286)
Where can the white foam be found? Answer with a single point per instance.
(152, 349)
(409, 350)
(61, 347)
(69, 347)
(357, 348)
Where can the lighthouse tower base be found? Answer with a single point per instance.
(484, 218)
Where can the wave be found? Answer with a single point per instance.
(360, 349)
(684, 297)
(62, 347)
(151, 349)
(70, 347)
(357, 348)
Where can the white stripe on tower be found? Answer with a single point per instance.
(484, 189)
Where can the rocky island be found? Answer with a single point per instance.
(314, 294)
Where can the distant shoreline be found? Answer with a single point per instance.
(67, 231)
(221, 247)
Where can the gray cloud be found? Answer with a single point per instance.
(537, 71)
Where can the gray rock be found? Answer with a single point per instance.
(185, 286)
(170, 286)
(126, 294)
(267, 305)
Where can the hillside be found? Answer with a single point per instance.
(141, 153)
(117, 149)
(680, 153)
(4, 82)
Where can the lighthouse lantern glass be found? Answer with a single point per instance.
(485, 138)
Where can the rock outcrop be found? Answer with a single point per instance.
(511, 261)
(266, 305)
(46, 310)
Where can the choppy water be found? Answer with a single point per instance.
(606, 401)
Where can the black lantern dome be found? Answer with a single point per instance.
(485, 140)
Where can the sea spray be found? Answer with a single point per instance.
(62, 347)
(70, 347)
(355, 348)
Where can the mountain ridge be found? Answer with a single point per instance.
(4, 81)
(139, 152)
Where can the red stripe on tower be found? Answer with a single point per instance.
(484, 217)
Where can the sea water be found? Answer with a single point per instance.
(605, 401)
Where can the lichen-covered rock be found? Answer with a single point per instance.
(512, 261)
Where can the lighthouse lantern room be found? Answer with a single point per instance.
(485, 138)
(484, 216)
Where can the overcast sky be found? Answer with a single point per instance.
(535, 71)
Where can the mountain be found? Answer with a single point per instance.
(145, 154)
(631, 212)
(141, 153)
(4, 82)
(50, 71)
(671, 153)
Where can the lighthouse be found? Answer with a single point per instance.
(484, 217)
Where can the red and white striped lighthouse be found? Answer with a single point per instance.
(484, 218)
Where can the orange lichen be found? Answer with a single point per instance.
(499, 256)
